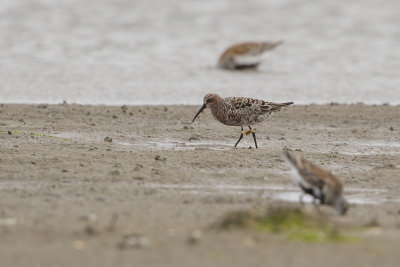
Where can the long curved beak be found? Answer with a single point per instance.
(198, 112)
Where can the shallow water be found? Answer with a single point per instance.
(162, 144)
(164, 52)
(369, 148)
(354, 195)
(351, 147)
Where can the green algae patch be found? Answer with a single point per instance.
(317, 235)
(282, 219)
(299, 226)
(296, 225)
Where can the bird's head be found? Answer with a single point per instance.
(341, 205)
(208, 101)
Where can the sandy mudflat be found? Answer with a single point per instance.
(69, 197)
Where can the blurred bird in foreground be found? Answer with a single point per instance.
(317, 182)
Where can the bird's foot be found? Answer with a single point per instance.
(249, 132)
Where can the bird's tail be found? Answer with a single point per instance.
(269, 45)
(295, 164)
(291, 158)
(277, 106)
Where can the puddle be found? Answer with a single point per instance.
(275, 191)
(71, 135)
(378, 144)
(357, 147)
(295, 197)
(287, 193)
(368, 148)
(157, 145)
(292, 197)
(173, 144)
(22, 185)
(151, 143)
(220, 187)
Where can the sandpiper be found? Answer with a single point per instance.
(317, 182)
(245, 55)
(240, 111)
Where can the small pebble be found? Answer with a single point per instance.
(88, 217)
(79, 245)
(248, 242)
(134, 241)
(195, 237)
(8, 221)
(116, 172)
(108, 139)
(171, 232)
(158, 157)
(138, 166)
(89, 230)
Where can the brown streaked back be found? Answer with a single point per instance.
(241, 111)
(248, 48)
(314, 175)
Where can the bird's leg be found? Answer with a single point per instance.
(241, 135)
(314, 201)
(315, 204)
(301, 199)
(251, 131)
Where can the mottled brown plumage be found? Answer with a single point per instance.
(244, 55)
(240, 111)
(317, 182)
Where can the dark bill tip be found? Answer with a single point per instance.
(198, 112)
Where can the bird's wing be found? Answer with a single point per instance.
(253, 106)
(309, 183)
(311, 178)
(319, 177)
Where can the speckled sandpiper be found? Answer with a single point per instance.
(240, 111)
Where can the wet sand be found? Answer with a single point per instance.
(69, 195)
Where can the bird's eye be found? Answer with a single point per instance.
(208, 100)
